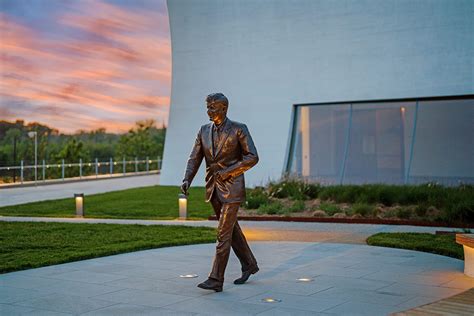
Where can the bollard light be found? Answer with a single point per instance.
(79, 204)
(183, 206)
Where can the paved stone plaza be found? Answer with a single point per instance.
(346, 279)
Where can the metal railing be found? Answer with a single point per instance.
(77, 170)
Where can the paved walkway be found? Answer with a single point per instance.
(19, 195)
(266, 231)
(346, 279)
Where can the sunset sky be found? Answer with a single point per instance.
(84, 64)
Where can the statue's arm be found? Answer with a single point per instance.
(194, 161)
(249, 155)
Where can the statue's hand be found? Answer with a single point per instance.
(213, 168)
(185, 187)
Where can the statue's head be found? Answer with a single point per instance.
(217, 105)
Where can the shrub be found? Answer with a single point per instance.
(294, 189)
(403, 213)
(462, 211)
(362, 209)
(286, 189)
(273, 207)
(256, 198)
(386, 195)
(390, 213)
(297, 206)
(346, 194)
(330, 208)
(421, 210)
(311, 190)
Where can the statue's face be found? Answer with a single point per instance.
(216, 112)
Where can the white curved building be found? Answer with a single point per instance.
(335, 91)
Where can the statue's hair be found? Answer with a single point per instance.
(217, 98)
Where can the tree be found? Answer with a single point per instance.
(14, 135)
(73, 151)
(138, 142)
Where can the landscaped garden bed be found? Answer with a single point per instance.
(428, 204)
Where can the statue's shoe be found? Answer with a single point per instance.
(246, 275)
(211, 284)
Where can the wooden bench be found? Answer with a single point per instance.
(460, 304)
(467, 241)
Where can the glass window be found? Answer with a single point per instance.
(384, 142)
(443, 148)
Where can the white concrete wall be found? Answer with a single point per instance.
(267, 55)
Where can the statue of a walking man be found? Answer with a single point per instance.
(229, 151)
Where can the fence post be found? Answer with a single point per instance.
(147, 165)
(21, 172)
(62, 168)
(136, 165)
(158, 162)
(124, 166)
(111, 166)
(96, 168)
(80, 168)
(44, 170)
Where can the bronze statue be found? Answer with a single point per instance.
(229, 151)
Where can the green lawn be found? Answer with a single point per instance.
(157, 202)
(26, 245)
(439, 244)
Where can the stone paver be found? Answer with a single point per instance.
(346, 279)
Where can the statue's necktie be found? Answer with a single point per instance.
(215, 138)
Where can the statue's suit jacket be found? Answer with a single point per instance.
(233, 155)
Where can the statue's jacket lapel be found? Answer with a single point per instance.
(225, 134)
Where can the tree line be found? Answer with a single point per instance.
(142, 140)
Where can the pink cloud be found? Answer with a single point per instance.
(107, 71)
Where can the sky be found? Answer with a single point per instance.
(85, 64)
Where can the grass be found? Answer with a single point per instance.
(157, 202)
(26, 245)
(438, 244)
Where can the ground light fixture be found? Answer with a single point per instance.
(188, 276)
(305, 279)
(183, 206)
(271, 300)
(79, 198)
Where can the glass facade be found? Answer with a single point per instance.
(395, 142)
